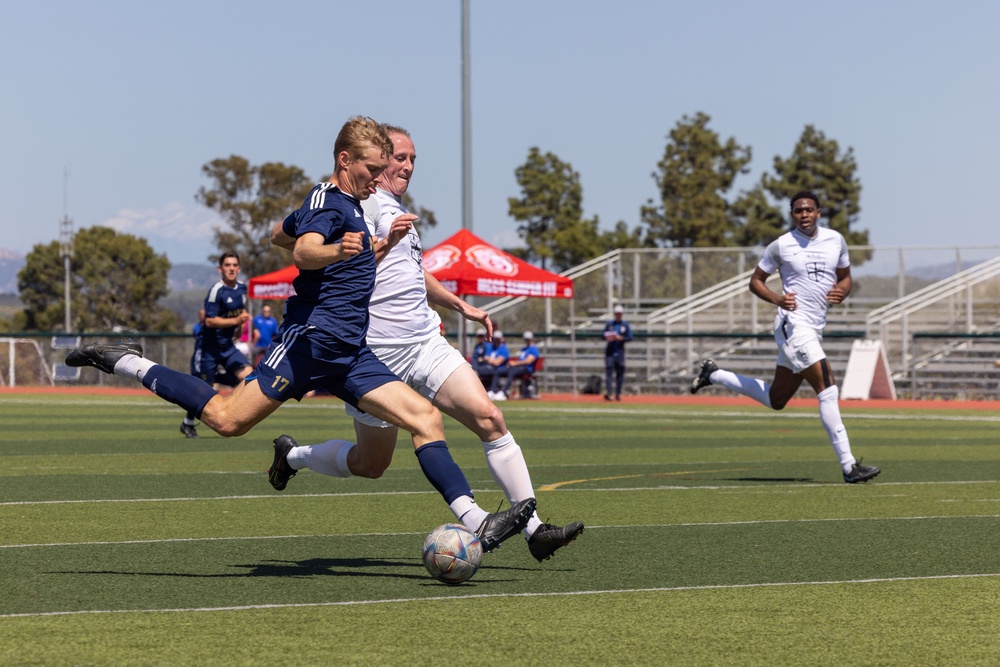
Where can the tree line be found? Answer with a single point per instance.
(696, 206)
(118, 280)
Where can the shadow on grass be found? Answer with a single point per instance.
(782, 480)
(312, 567)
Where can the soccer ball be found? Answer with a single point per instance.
(452, 553)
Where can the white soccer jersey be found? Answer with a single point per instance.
(808, 266)
(398, 309)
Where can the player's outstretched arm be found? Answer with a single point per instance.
(397, 232)
(439, 296)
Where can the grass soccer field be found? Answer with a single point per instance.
(716, 534)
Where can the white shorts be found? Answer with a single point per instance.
(799, 346)
(424, 366)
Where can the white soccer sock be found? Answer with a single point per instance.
(327, 458)
(758, 390)
(133, 366)
(506, 463)
(468, 512)
(829, 414)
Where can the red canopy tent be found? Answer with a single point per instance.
(274, 285)
(466, 265)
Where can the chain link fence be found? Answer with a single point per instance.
(659, 289)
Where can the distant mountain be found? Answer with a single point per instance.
(182, 277)
(188, 285)
(938, 271)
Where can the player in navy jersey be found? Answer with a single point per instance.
(404, 333)
(815, 272)
(220, 361)
(321, 343)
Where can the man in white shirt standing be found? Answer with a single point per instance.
(815, 272)
(404, 333)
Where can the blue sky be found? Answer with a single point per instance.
(132, 97)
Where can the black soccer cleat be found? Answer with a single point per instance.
(860, 473)
(280, 472)
(707, 368)
(500, 526)
(189, 431)
(548, 539)
(102, 357)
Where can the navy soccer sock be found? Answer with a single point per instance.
(442, 471)
(181, 389)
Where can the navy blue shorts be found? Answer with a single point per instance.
(224, 363)
(302, 359)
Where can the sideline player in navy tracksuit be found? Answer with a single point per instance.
(321, 343)
(617, 332)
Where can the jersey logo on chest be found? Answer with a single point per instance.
(815, 271)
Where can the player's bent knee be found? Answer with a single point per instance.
(493, 417)
(779, 402)
(231, 430)
(431, 417)
(369, 469)
(227, 426)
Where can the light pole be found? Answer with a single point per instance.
(466, 151)
(66, 250)
(466, 123)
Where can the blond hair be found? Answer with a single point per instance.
(359, 133)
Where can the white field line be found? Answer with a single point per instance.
(449, 598)
(646, 526)
(761, 413)
(754, 487)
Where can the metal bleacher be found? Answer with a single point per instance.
(944, 339)
(941, 340)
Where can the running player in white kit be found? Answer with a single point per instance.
(815, 272)
(404, 333)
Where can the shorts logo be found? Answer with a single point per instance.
(815, 270)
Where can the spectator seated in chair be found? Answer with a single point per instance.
(495, 362)
(478, 358)
(515, 368)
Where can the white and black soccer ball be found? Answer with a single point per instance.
(452, 553)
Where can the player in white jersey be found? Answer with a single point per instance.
(815, 272)
(404, 332)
